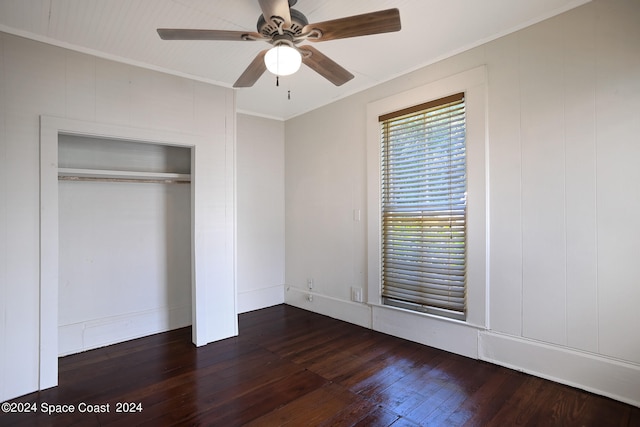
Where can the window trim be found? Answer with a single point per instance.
(473, 84)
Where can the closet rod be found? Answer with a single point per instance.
(143, 180)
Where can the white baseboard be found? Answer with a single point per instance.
(598, 374)
(260, 298)
(352, 312)
(444, 334)
(83, 336)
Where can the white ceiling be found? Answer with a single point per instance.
(125, 30)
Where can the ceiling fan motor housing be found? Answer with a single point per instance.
(272, 30)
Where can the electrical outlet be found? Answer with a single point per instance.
(356, 294)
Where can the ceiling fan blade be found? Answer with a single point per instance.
(383, 21)
(324, 66)
(278, 9)
(253, 71)
(189, 34)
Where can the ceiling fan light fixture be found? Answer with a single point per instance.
(284, 28)
(283, 60)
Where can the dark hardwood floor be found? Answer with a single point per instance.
(296, 368)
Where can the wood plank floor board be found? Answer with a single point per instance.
(482, 405)
(447, 393)
(233, 406)
(290, 367)
(406, 389)
(315, 408)
(381, 417)
(391, 366)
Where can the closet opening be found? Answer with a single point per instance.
(124, 240)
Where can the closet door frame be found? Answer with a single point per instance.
(213, 284)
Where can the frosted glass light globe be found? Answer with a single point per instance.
(283, 60)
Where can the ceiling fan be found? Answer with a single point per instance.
(284, 28)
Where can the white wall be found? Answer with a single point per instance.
(260, 235)
(563, 101)
(40, 80)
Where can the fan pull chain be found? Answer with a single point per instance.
(289, 95)
(277, 80)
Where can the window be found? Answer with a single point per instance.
(423, 204)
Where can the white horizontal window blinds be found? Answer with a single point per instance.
(424, 207)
